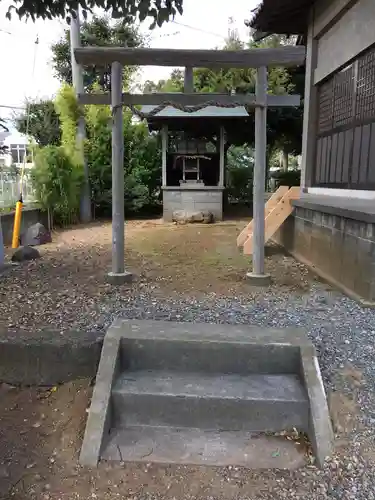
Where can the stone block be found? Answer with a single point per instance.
(48, 358)
(191, 216)
(320, 246)
(352, 227)
(327, 220)
(299, 212)
(317, 218)
(349, 261)
(338, 222)
(286, 234)
(309, 214)
(335, 256)
(23, 254)
(340, 248)
(370, 232)
(36, 235)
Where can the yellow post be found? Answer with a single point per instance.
(17, 225)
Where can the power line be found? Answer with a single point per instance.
(5, 31)
(22, 38)
(199, 29)
(12, 107)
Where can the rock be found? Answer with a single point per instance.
(25, 253)
(35, 235)
(190, 216)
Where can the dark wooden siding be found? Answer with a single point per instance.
(345, 149)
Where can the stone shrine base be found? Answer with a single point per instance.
(193, 198)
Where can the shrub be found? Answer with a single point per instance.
(57, 182)
(289, 178)
(142, 162)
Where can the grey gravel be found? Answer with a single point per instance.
(343, 333)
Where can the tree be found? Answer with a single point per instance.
(41, 122)
(284, 125)
(175, 83)
(3, 149)
(99, 31)
(157, 10)
(240, 167)
(142, 161)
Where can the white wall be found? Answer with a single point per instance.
(352, 32)
(15, 137)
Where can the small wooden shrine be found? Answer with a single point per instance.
(193, 156)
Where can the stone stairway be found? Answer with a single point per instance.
(201, 394)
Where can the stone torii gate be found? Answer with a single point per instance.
(260, 59)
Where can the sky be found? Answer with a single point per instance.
(26, 70)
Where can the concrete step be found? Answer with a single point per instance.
(194, 393)
(209, 348)
(210, 401)
(166, 445)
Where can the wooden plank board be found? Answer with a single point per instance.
(275, 218)
(289, 55)
(270, 205)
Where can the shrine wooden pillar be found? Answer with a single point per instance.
(164, 150)
(221, 156)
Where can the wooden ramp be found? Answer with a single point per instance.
(270, 205)
(277, 209)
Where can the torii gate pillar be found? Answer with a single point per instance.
(118, 275)
(258, 275)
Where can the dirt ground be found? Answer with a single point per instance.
(70, 278)
(41, 430)
(40, 438)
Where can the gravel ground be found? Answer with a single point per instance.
(343, 334)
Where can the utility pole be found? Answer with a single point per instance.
(77, 77)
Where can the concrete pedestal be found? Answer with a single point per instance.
(194, 198)
(119, 278)
(258, 279)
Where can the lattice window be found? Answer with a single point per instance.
(325, 100)
(343, 97)
(365, 99)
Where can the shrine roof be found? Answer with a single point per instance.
(208, 112)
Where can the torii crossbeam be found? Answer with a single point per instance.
(253, 58)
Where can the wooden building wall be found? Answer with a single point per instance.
(345, 146)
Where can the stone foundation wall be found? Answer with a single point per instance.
(30, 216)
(193, 200)
(340, 248)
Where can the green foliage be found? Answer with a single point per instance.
(284, 125)
(158, 11)
(289, 178)
(175, 83)
(240, 168)
(44, 122)
(142, 162)
(69, 113)
(57, 182)
(99, 31)
(98, 156)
